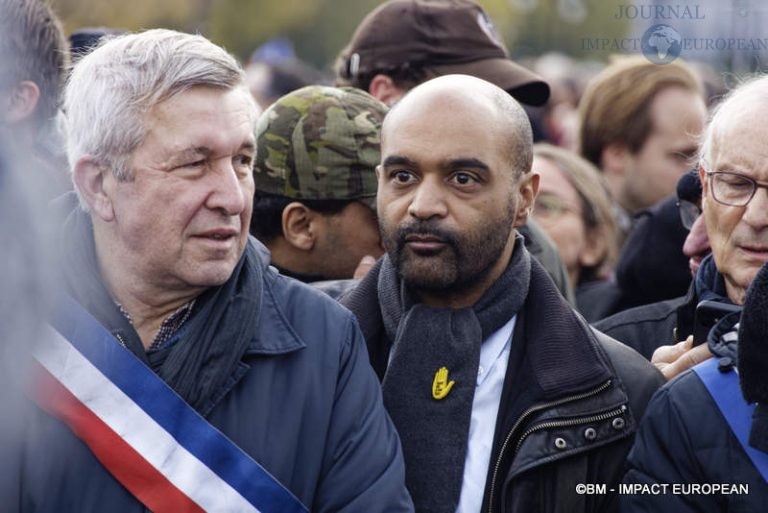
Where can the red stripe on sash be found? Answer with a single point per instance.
(127, 466)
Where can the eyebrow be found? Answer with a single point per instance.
(731, 167)
(467, 162)
(204, 151)
(191, 152)
(397, 160)
(457, 163)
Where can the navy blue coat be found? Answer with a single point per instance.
(304, 403)
(684, 439)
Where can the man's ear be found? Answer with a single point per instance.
(94, 183)
(704, 182)
(527, 188)
(21, 102)
(300, 226)
(614, 159)
(384, 89)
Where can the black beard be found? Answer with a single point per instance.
(459, 264)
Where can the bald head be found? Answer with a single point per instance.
(457, 97)
(744, 106)
(734, 162)
(454, 182)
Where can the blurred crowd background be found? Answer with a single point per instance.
(315, 30)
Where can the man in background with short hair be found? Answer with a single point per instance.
(639, 123)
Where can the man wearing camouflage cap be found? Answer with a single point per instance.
(314, 206)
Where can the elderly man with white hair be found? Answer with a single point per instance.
(704, 428)
(183, 373)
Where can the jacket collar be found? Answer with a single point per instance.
(274, 335)
(562, 349)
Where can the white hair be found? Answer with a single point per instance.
(112, 88)
(744, 98)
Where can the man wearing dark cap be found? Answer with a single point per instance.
(315, 200)
(403, 43)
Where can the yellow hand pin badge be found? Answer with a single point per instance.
(440, 385)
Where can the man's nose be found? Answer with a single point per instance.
(428, 200)
(756, 211)
(227, 189)
(697, 241)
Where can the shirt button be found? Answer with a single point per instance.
(480, 370)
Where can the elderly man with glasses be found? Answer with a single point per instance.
(734, 218)
(710, 425)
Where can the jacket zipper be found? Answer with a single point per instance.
(527, 413)
(569, 423)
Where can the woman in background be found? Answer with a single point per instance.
(574, 208)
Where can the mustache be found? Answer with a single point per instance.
(426, 229)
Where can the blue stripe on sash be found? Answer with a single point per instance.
(725, 391)
(170, 411)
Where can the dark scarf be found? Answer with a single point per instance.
(211, 343)
(709, 283)
(753, 356)
(434, 432)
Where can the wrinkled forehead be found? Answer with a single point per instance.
(201, 121)
(738, 140)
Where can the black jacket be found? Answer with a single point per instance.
(642, 276)
(569, 408)
(647, 327)
(684, 439)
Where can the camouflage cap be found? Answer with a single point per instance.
(320, 143)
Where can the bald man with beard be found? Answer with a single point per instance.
(505, 399)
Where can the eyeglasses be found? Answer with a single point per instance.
(689, 212)
(733, 189)
(551, 206)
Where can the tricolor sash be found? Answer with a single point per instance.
(165, 453)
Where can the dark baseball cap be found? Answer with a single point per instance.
(446, 37)
(320, 143)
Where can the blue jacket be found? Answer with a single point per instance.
(303, 402)
(683, 440)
